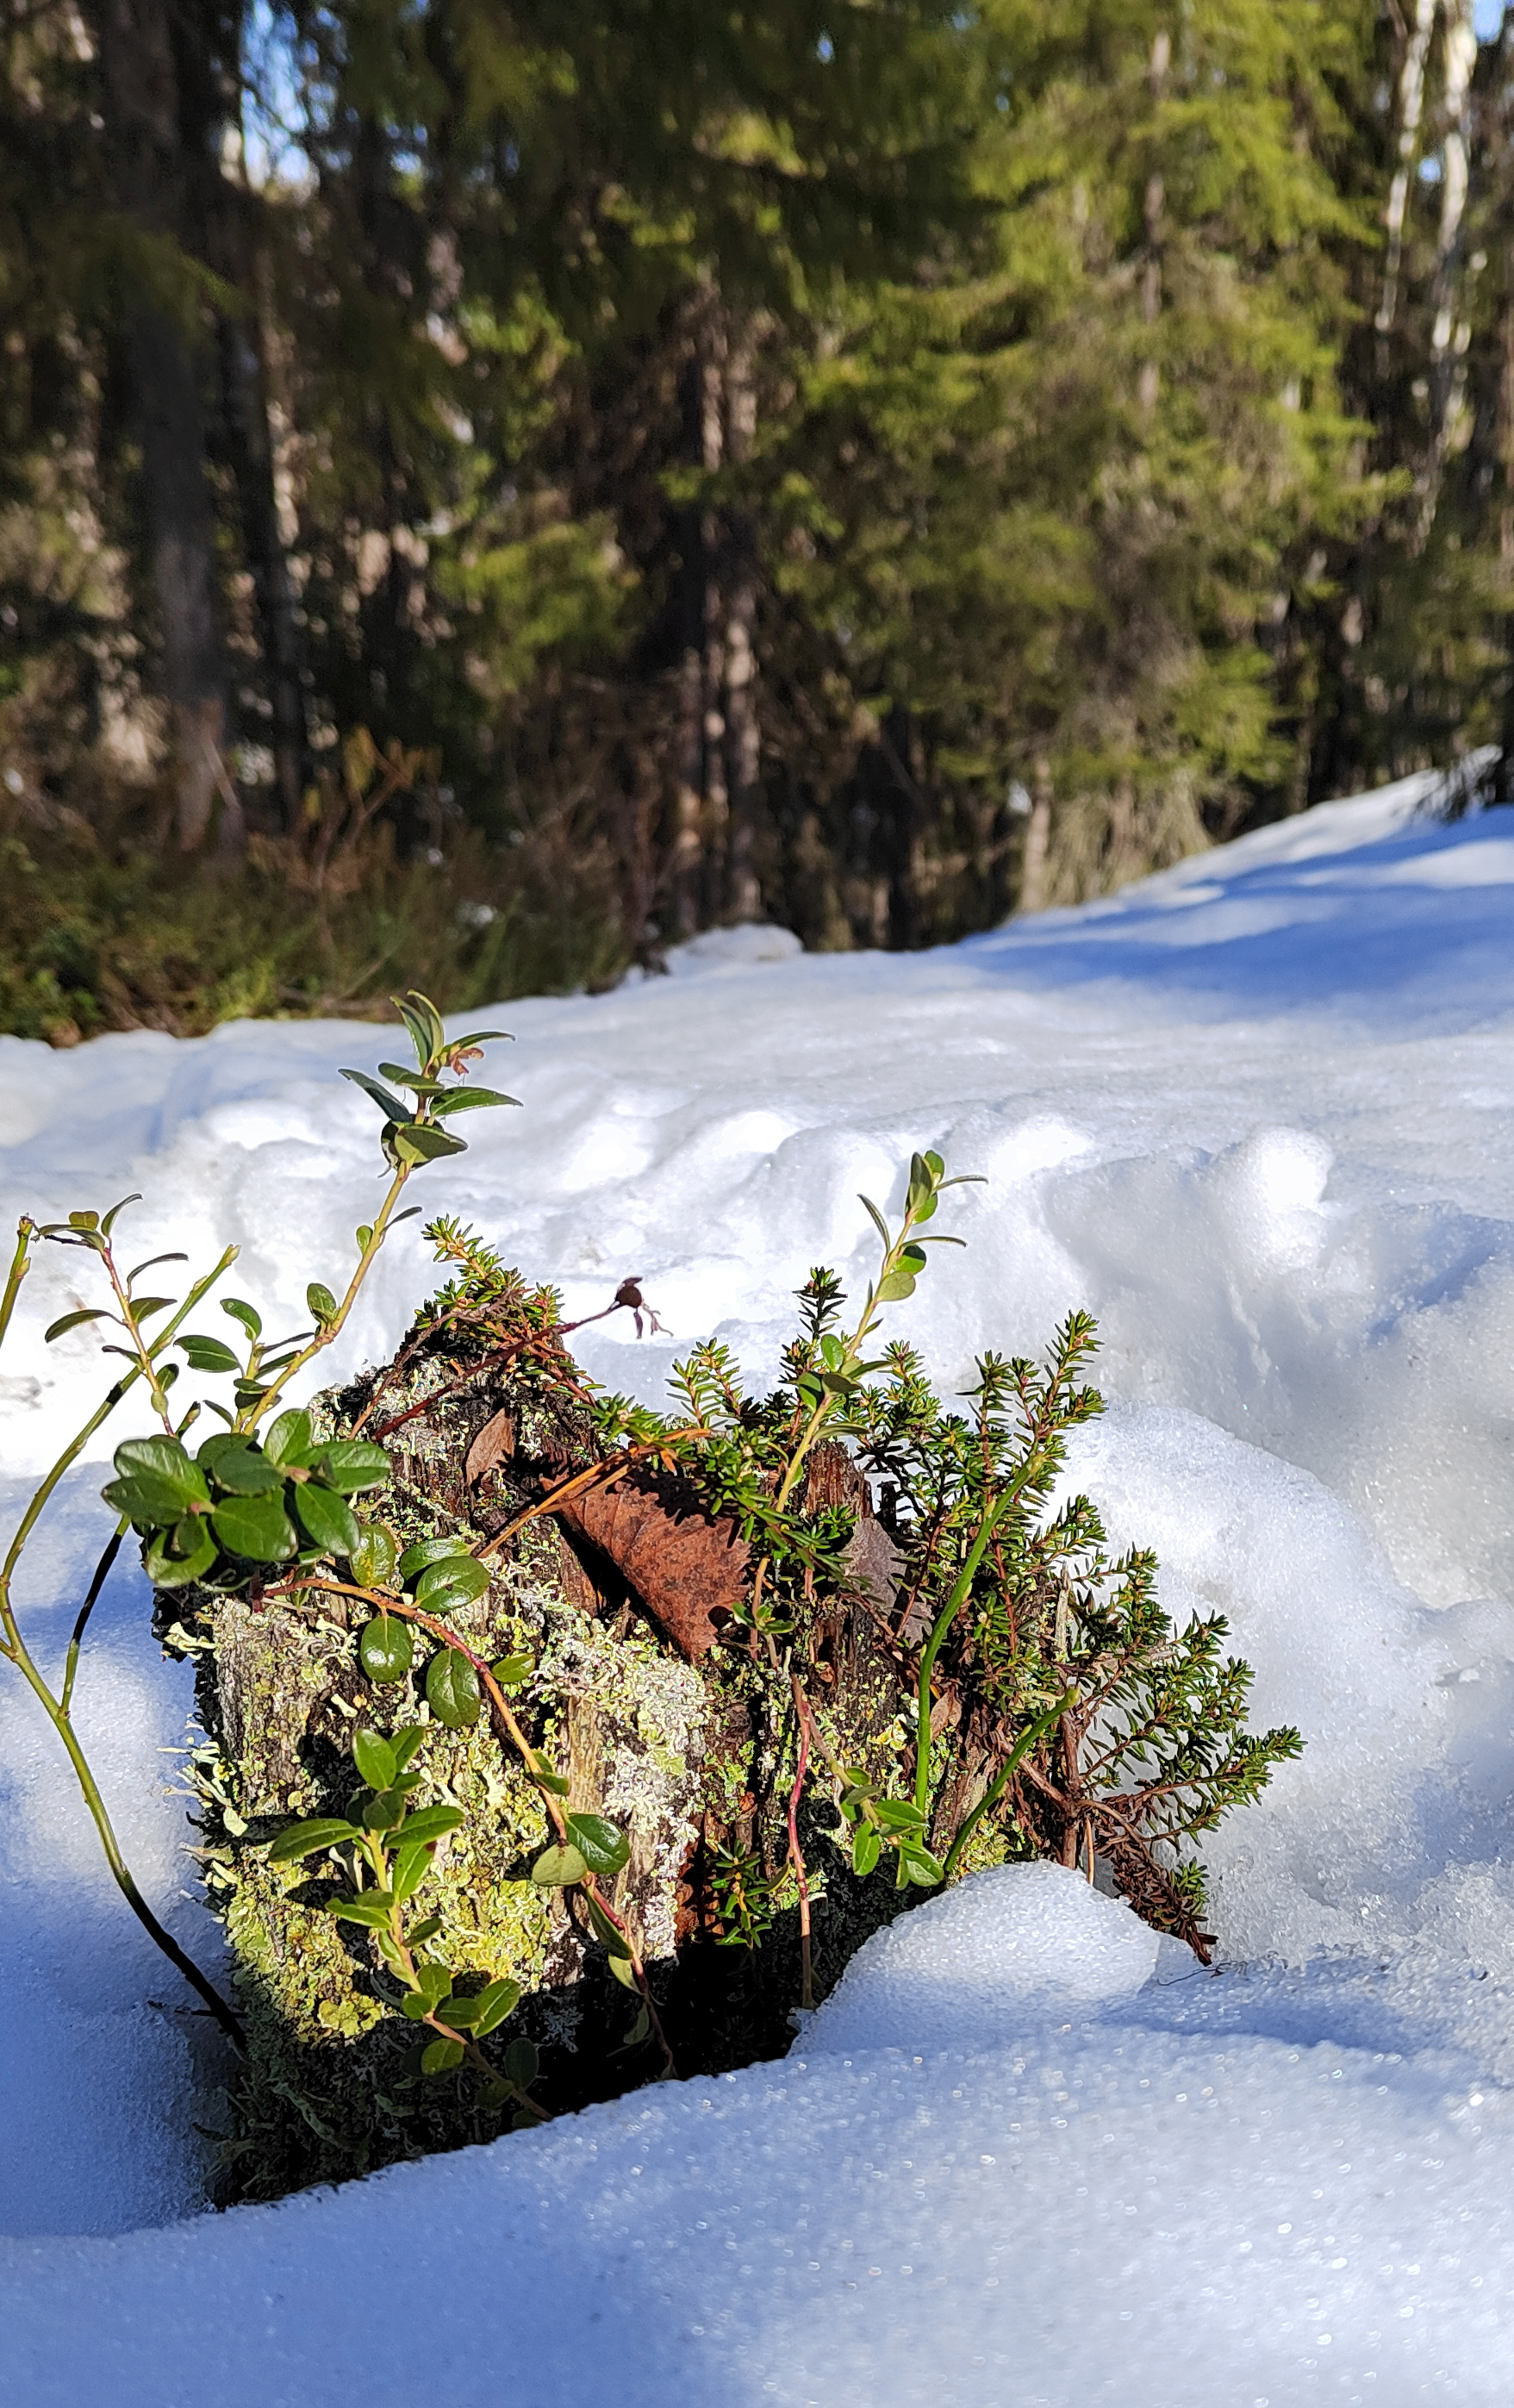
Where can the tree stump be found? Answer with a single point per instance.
(663, 1713)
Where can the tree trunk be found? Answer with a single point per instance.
(743, 738)
(1154, 202)
(673, 1739)
(158, 155)
(1450, 333)
(712, 452)
(713, 874)
(244, 376)
(1037, 839)
(686, 865)
(1411, 110)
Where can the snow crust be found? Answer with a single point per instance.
(1019, 1940)
(1254, 1113)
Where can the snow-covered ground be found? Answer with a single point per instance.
(1258, 1114)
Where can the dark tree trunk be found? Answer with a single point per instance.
(742, 736)
(686, 868)
(161, 129)
(244, 378)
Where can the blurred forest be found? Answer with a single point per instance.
(490, 490)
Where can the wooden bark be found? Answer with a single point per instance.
(157, 164)
(683, 1742)
(245, 382)
(1410, 111)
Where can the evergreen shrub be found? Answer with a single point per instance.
(551, 1743)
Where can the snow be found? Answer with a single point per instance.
(1254, 1113)
(1036, 1937)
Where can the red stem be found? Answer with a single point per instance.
(796, 1855)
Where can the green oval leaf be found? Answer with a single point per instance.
(452, 1691)
(429, 1824)
(615, 1940)
(150, 1503)
(417, 1141)
(308, 1839)
(542, 1774)
(522, 2063)
(322, 1304)
(389, 1105)
(163, 1459)
(917, 1864)
(408, 1743)
(350, 1464)
(372, 1907)
(207, 1354)
(491, 2006)
(286, 1439)
(410, 1868)
(73, 1321)
(865, 1849)
(603, 1845)
(462, 2013)
(374, 1759)
(185, 1555)
(246, 1470)
(894, 1289)
(372, 1561)
(426, 1551)
(559, 1868)
(326, 1518)
(442, 2057)
(255, 1527)
(470, 1099)
(386, 1648)
(456, 1581)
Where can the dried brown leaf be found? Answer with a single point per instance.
(688, 1569)
(493, 1445)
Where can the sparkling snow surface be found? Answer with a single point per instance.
(1256, 1114)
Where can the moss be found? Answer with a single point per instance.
(684, 1758)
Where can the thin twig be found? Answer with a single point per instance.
(796, 1853)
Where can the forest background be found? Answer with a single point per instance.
(487, 491)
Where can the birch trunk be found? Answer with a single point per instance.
(1410, 111)
(1450, 333)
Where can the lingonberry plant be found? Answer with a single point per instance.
(912, 1651)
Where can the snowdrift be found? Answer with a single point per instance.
(1254, 1113)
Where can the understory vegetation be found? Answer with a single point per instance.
(870, 468)
(551, 1744)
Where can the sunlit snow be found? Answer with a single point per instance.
(1256, 1114)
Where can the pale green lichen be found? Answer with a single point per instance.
(668, 1750)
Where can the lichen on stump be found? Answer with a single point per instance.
(688, 1745)
(711, 1644)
